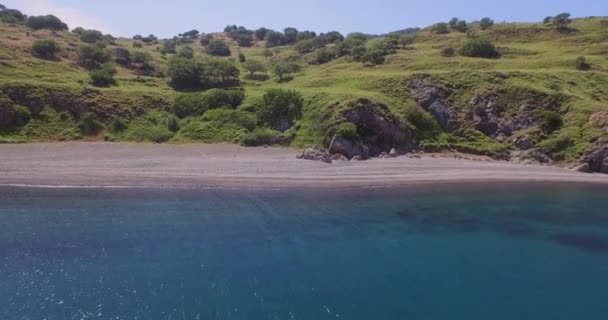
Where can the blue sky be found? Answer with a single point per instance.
(167, 18)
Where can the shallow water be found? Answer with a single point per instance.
(517, 251)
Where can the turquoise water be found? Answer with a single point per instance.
(452, 252)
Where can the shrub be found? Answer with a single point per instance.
(440, 28)
(91, 36)
(209, 131)
(274, 39)
(374, 57)
(556, 144)
(479, 48)
(184, 73)
(140, 61)
(581, 64)
(561, 21)
(21, 115)
(486, 23)
(92, 57)
(348, 130)
(122, 56)
(192, 104)
(550, 121)
(168, 47)
(239, 118)
(217, 72)
(334, 37)
(152, 133)
(324, 55)
(448, 52)
(260, 33)
(186, 52)
(172, 123)
(285, 68)
(137, 44)
(206, 39)
(280, 108)
(45, 49)
(89, 124)
(263, 136)
(45, 22)
(103, 77)
(461, 26)
(304, 46)
(218, 48)
(253, 66)
(423, 123)
(118, 124)
(11, 16)
(242, 58)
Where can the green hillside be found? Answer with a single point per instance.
(544, 87)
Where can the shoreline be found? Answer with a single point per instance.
(217, 166)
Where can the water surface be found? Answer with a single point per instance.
(518, 251)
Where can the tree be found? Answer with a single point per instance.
(45, 49)
(192, 34)
(260, 33)
(304, 35)
(452, 23)
(46, 22)
(122, 56)
(244, 39)
(216, 72)
(93, 56)
(285, 68)
(184, 73)
(274, 39)
(280, 108)
(461, 26)
(304, 46)
(252, 66)
(141, 62)
(168, 46)
(291, 35)
(486, 23)
(149, 39)
(561, 21)
(206, 39)
(267, 53)
(440, 28)
(218, 48)
(547, 19)
(406, 40)
(103, 77)
(11, 16)
(479, 48)
(324, 55)
(333, 37)
(91, 36)
(78, 30)
(186, 52)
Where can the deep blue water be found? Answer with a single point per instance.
(452, 252)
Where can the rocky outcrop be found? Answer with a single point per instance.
(487, 118)
(378, 129)
(531, 156)
(315, 154)
(434, 99)
(523, 143)
(599, 119)
(348, 148)
(595, 159)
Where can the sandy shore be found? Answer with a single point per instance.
(222, 165)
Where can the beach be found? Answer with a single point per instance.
(103, 164)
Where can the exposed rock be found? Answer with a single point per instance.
(583, 168)
(356, 158)
(379, 130)
(599, 119)
(531, 156)
(347, 148)
(596, 158)
(523, 143)
(384, 155)
(487, 117)
(315, 154)
(338, 157)
(433, 99)
(393, 153)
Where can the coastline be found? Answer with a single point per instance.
(125, 165)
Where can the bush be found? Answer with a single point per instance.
(137, 44)
(461, 26)
(448, 52)
(550, 121)
(122, 56)
(89, 124)
(486, 23)
(285, 68)
(21, 115)
(91, 36)
(103, 77)
(191, 74)
(324, 55)
(440, 28)
(581, 64)
(280, 108)
(253, 66)
(184, 73)
(479, 48)
(193, 104)
(168, 47)
(172, 123)
(186, 52)
(206, 39)
(45, 49)
(45, 22)
(423, 123)
(204, 131)
(374, 57)
(118, 124)
(263, 136)
(239, 118)
(92, 57)
(556, 144)
(218, 48)
(11, 16)
(274, 39)
(348, 130)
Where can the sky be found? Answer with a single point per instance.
(168, 18)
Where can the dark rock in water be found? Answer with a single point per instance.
(433, 99)
(347, 148)
(596, 158)
(379, 130)
(315, 154)
(523, 143)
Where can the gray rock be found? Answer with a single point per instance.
(583, 168)
(596, 158)
(338, 157)
(315, 154)
(433, 99)
(356, 158)
(531, 156)
(384, 155)
(393, 153)
(347, 148)
(523, 143)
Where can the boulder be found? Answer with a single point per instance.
(315, 154)
(379, 130)
(434, 99)
(338, 157)
(393, 153)
(596, 158)
(347, 148)
(531, 156)
(523, 143)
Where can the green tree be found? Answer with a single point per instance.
(103, 77)
(217, 72)
(252, 66)
(452, 23)
(291, 35)
(218, 48)
(267, 53)
(184, 73)
(285, 68)
(461, 26)
(45, 49)
(185, 52)
(334, 37)
(122, 56)
(169, 46)
(91, 36)
(93, 56)
(274, 39)
(561, 21)
(486, 23)
(324, 55)
(50, 22)
(260, 33)
(280, 108)
(479, 48)
(11, 16)
(440, 28)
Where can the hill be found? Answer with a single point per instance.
(522, 91)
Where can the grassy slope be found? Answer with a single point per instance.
(534, 57)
